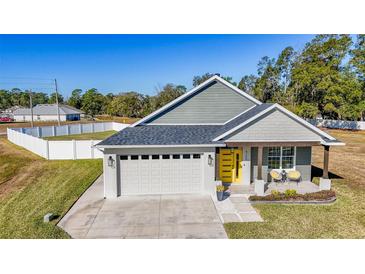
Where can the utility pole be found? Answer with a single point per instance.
(58, 109)
(31, 108)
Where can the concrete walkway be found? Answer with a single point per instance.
(237, 208)
(148, 216)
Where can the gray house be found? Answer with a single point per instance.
(48, 112)
(213, 133)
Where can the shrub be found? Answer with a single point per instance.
(275, 193)
(290, 192)
(220, 188)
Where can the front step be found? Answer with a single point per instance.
(240, 189)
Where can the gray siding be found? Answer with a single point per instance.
(216, 103)
(303, 163)
(277, 126)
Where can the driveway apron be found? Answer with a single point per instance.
(186, 216)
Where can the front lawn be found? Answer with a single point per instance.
(85, 136)
(343, 219)
(32, 187)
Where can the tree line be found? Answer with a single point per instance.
(326, 78)
(92, 102)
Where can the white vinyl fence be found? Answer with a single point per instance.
(29, 138)
(338, 124)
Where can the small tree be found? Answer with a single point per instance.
(75, 99)
(92, 102)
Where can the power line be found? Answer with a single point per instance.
(31, 78)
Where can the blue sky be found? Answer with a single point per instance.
(143, 63)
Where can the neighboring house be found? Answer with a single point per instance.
(215, 132)
(10, 111)
(47, 112)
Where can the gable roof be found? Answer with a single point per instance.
(200, 135)
(192, 92)
(48, 109)
(267, 109)
(163, 135)
(176, 134)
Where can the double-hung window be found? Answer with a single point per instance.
(281, 157)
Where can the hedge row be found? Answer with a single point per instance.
(315, 196)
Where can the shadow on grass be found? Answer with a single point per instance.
(318, 172)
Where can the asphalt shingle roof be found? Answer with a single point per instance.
(47, 109)
(177, 134)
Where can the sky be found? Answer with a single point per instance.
(142, 63)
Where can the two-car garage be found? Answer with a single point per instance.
(161, 173)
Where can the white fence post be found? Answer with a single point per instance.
(80, 128)
(47, 149)
(39, 132)
(74, 149)
(92, 128)
(68, 129)
(53, 131)
(92, 149)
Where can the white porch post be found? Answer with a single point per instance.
(325, 182)
(246, 165)
(259, 182)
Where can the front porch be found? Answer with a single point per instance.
(254, 168)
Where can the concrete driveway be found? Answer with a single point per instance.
(144, 217)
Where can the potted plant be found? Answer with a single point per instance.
(220, 192)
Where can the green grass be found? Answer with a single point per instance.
(12, 161)
(343, 219)
(42, 186)
(86, 136)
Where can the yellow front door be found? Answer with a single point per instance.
(230, 168)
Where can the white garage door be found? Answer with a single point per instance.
(161, 173)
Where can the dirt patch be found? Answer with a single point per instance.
(346, 161)
(24, 177)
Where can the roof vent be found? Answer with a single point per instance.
(218, 74)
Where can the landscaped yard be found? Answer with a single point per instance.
(343, 219)
(30, 187)
(85, 136)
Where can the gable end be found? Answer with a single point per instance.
(215, 103)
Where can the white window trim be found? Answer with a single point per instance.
(281, 160)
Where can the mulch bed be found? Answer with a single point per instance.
(320, 197)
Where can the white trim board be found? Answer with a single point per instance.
(159, 146)
(194, 90)
(187, 124)
(285, 111)
(239, 115)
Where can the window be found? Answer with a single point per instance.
(165, 157)
(155, 157)
(196, 156)
(145, 157)
(134, 157)
(186, 156)
(124, 157)
(281, 157)
(287, 158)
(274, 157)
(176, 156)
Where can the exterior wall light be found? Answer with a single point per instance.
(210, 160)
(111, 161)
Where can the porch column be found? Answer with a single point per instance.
(326, 156)
(324, 182)
(259, 163)
(259, 183)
